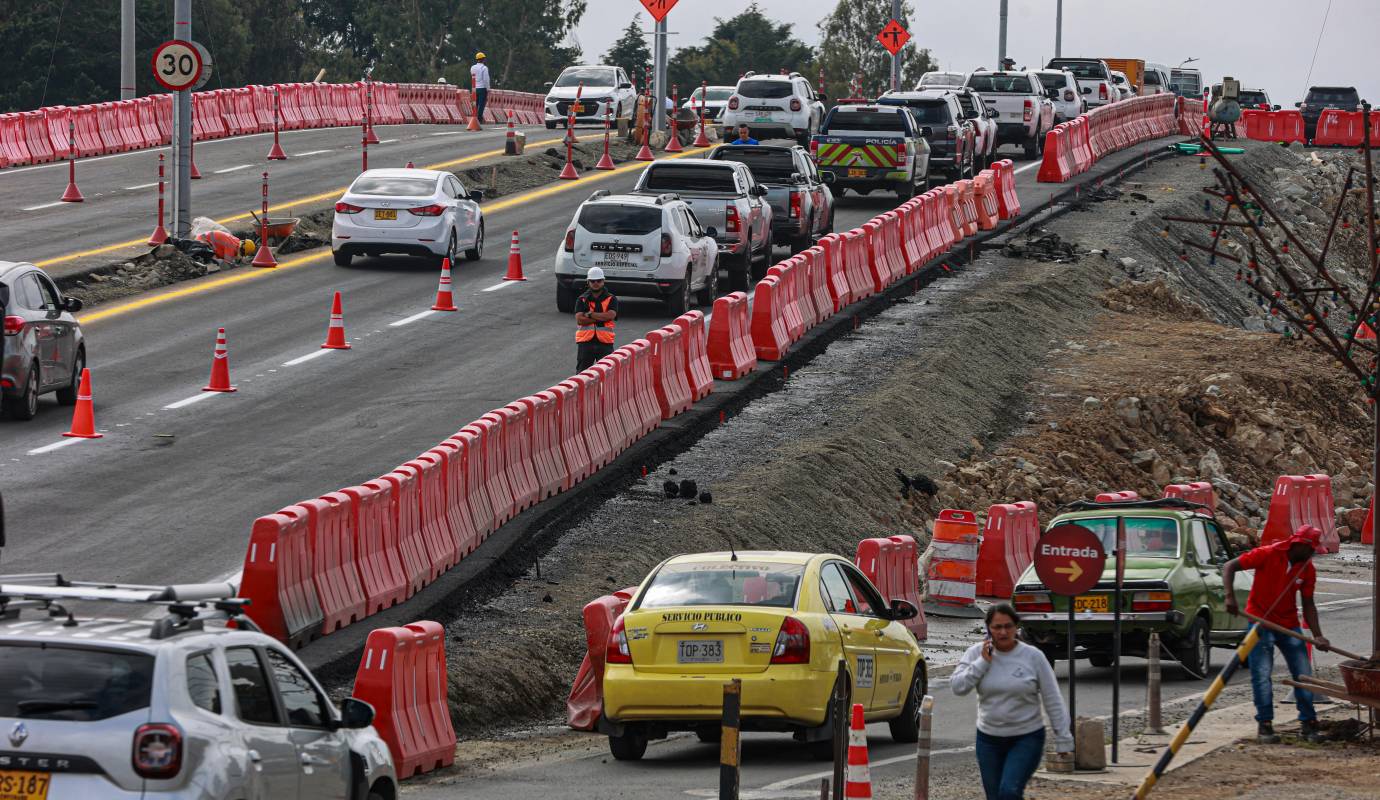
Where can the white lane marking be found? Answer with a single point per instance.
(308, 357)
(1344, 580)
(45, 205)
(501, 285)
(48, 448)
(411, 319)
(312, 153)
(141, 186)
(233, 169)
(1031, 165)
(457, 133)
(196, 398)
(1347, 602)
(385, 141)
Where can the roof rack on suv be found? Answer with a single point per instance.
(1169, 503)
(749, 74)
(189, 604)
(599, 193)
(666, 197)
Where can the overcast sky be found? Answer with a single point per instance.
(1267, 44)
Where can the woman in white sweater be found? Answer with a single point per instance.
(1011, 678)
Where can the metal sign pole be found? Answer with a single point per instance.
(659, 77)
(1073, 680)
(182, 133)
(1001, 37)
(896, 56)
(1116, 632)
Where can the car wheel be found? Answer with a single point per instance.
(712, 735)
(630, 746)
(450, 252)
(550, 126)
(1100, 659)
(565, 299)
(802, 243)
(759, 266)
(837, 718)
(477, 252)
(67, 396)
(739, 272)
(905, 729)
(711, 287)
(830, 228)
(342, 259)
(679, 303)
(1195, 653)
(25, 406)
(1032, 146)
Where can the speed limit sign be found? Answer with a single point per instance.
(177, 64)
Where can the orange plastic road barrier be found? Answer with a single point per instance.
(855, 264)
(668, 363)
(432, 707)
(1116, 497)
(402, 674)
(375, 542)
(985, 189)
(817, 267)
(334, 573)
(1007, 201)
(575, 451)
(586, 699)
(770, 337)
(1196, 492)
(441, 546)
(84, 415)
(1055, 167)
(1008, 545)
(836, 275)
(857, 782)
(730, 349)
(544, 427)
(951, 580)
(1337, 128)
(878, 272)
(1302, 500)
(406, 512)
(459, 518)
(968, 206)
(787, 299)
(893, 567)
(698, 372)
(277, 578)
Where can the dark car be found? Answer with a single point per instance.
(1322, 97)
(43, 349)
(952, 138)
(1255, 98)
(802, 206)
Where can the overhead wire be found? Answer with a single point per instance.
(52, 54)
(1308, 80)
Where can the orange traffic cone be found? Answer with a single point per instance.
(220, 366)
(444, 300)
(473, 123)
(83, 417)
(335, 334)
(569, 173)
(514, 261)
(857, 782)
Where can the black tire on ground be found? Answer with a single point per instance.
(739, 272)
(678, 302)
(24, 406)
(830, 227)
(837, 719)
(1049, 654)
(630, 746)
(67, 395)
(438, 261)
(758, 266)
(477, 252)
(710, 290)
(550, 125)
(802, 243)
(1100, 659)
(1032, 146)
(710, 735)
(565, 299)
(905, 729)
(342, 259)
(1195, 652)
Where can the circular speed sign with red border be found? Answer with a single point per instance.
(177, 64)
(1069, 559)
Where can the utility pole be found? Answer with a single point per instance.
(659, 76)
(182, 133)
(1001, 37)
(126, 49)
(1059, 29)
(896, 57)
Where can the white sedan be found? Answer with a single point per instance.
(419, 212)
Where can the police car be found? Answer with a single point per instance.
(647, 246)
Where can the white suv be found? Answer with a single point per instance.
(647, 246)
(601, 88)
(775, 106)
(177, 707)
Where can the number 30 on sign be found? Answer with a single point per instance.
(177, 64)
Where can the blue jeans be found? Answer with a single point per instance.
(1262, 663)
(1007, 762)
(481, 99)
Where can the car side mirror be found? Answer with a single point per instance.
(1298, 105)
(827, 177)
(625, 85)
(1274, 108)
(759, 190)
(1086, 89)
(476, 195)
(903, 610)
(72, 304)
(355, 714)
(795, 177)
(823, 98)
(993, 113)
(926, 131)
(548, 84)
(711, 231)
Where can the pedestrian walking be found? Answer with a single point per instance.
(1012, 679)
(1282, 570)
(479, 81)
(596, 315)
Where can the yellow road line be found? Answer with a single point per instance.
(316, 198)
(252, 273)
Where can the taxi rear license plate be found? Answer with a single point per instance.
(23, 785)
(1095, 603)
(857, 173)
(385, 213)
(701, 651)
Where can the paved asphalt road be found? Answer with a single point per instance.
(170, 493)
(776, 767)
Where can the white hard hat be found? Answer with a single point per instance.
(595, 274)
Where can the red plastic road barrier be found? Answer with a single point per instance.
(1116, 497)
(730, 350)
(13, 148)
(840, 292)
(1007, 201)
(985, 189)
(1196, 492)
(441, 544)
(431, 704)
(644, 375)
(36, 138)
(817, 268)
(1055, 166)
(769, 335)
(262, 104)
(492, 467)
(968, 205)
(146, 113)
(575, 450)
(544, 426)
(1302, 500)
(404, 507)
(289, 102)
(522, 477)
(878, 272)
(1337, 128)
(909, 213)
(162, 114)
(951, 579)
(1008, 544)
(57, 119)
(611, 410)
(400, 675)
(788, 299)
(673, 394)
(586, 699)
(855, 264)
(277, 578)
(459, 519)
(1082, 149)
(636, 387)
(590, 388)
(698, 373)
(376, 549)
(331, 542)
(892, 566)
(482, 515)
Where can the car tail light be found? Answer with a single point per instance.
(1029, 110)
(157, 751)
(814, 149)
(1033, 602)
(1068, 95)
(665, 245)
(731, 222)
(13, 326)
(434, 210)
(792, 643)
(953, 132)
(795, 104)
(1102, 91)
(617, 652)
(1152, 601)
(347, 208)
(901, 151)
(570, 241)
(795, 205)
(733, 103)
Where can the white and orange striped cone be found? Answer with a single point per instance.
(444, 300)
(220, 366)
(514, 261)
(857, 781)
(335, 334)
(83, 416)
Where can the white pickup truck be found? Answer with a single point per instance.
(1024, 111)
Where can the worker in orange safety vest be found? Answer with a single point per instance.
(596, 312)
(226, 246)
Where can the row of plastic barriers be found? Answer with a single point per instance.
(1073, 147)
(37, 137)
(1334, 128)
(811, 286)
(1302, 500)
(316, 566)
(402, 674)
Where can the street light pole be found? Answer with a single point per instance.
(1059, 29)
(182, 133)
(1001, 37)
(659, 76)
(127, 50)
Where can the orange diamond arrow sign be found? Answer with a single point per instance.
(893, 37)
(658, 8)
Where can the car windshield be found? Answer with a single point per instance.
(589, 76)
(723, 583)
(1342, 97)
(1250, 98)
(969, 107)
(765, 164)
(388, 185)
(866, 121)
(1152, 78)
(714, 93)
(1087, 70)
(770, 90)
(1053, 79)
(926, 112)
(931, 80)
(1017, 84)
(672, 178)
(1146, 537)
(77, 684)
(616, 220)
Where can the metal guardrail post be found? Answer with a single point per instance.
(922, 749)
(1153, 723)
(730, 745)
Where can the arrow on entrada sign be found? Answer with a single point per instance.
(1073, 571)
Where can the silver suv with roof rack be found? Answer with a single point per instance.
(174, 704)
(775, 106)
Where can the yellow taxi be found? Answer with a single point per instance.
(808, 635)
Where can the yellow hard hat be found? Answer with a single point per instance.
(247, 247)
(479, 56)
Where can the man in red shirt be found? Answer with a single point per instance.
(1281, 569)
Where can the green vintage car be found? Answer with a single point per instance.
(1175, 552)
